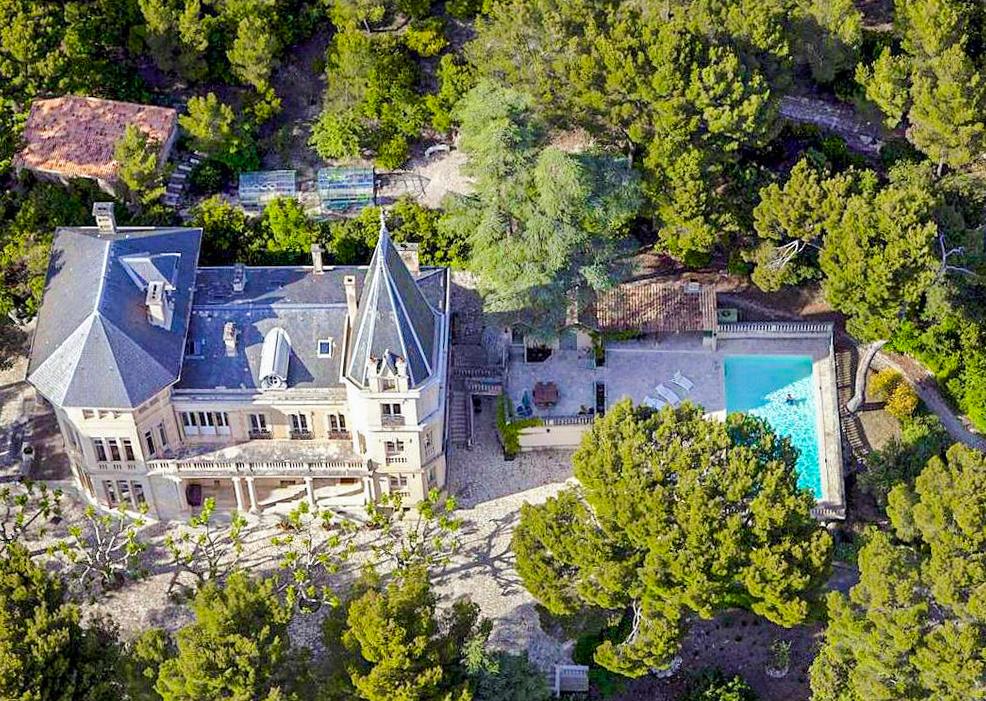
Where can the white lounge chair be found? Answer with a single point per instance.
(668, 394)
(653, 402)
(683, 381)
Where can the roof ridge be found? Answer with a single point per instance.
(147, 356)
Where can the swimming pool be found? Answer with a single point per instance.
(761, 384)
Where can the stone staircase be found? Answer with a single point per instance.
(460, 419)
(179, 179)
(855, 444)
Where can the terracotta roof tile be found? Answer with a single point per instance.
(75, 136)
(654, 307)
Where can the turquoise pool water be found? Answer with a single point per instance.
(760, 385)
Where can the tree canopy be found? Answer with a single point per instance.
(913, 628)
(676, 516)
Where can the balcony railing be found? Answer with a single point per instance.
(301, 435)
(392, 420)
(275, 468)
(261, 435)
(396, 460)
(340, 435)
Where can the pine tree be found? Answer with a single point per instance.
(138, 168)
(677, 516)
(915, 625)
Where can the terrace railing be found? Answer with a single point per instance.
(776, 329)
(274, 468)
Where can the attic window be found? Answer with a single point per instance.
(325, 348)
(193, 348)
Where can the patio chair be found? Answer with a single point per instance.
(668, 394)
(524, 409)
(683, 381)
(652, 402)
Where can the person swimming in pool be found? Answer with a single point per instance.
(789, 399)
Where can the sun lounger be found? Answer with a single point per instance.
(669, 395)
(652, 402)
(683, 381)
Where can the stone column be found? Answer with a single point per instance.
(368, 490)
(238, 491)
(310, 489)
(254, 509)
(180, 494)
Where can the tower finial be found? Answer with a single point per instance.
(383, 222)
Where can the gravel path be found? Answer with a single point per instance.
(492, 491)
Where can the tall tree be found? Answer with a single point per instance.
(237, 647)
(403, 648)
(792, 218)
(915, 625)
(677, 516)
(882, 257)
(214, 131)
(253, 52)
(138, 168)
(544, 221)
(45, 651)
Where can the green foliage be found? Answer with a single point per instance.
(213, 130)
(463, 9)
(45, 652)
(886, 85)
(543, 221)
(313, 546)
(288, 233)
(237, 647)
(103, 550)
(403, 648)
(455, 79)
(902, 459)
(832, 34)
(500, 676)
(880, 259)
(676, 515)
(371, 101)
(25, 238)
(509, 427)
(417, 538)
(426, 37)
(25, 508)
(713, 685)
(226, 232)
(204, 549)
(790, 219)
(209, 176)
(913, 626)
(902, 402)
(251, 56)
(137, 159)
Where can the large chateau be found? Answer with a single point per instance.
(253, 385)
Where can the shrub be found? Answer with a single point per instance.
(209, 176)
(902, 459)
(713, 685)
(426, 38)
(510, 429)
(902, 402)
(883, 384)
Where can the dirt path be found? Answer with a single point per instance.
(918, 375)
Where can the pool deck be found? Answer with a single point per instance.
(633, 369)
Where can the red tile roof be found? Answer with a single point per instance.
(76, 136)
(653, 306)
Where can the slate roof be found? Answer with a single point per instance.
(653, 306)
(76, 136)
(93, 346)
(394, 318)
(306, 306)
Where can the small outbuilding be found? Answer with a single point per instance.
(344, 188)
(257, 188)
(75, 137)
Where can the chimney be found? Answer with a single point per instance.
(159, 305)
(229, 338)
(317, 259)
(239, 278)
(105, 218)
(409, 254)
(352, 299)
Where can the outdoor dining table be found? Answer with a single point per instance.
(545, 394)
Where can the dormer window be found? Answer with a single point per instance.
(193, 348)
(325, 348)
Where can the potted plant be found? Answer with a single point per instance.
(780, 659)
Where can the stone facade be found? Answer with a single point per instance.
(313, 429)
